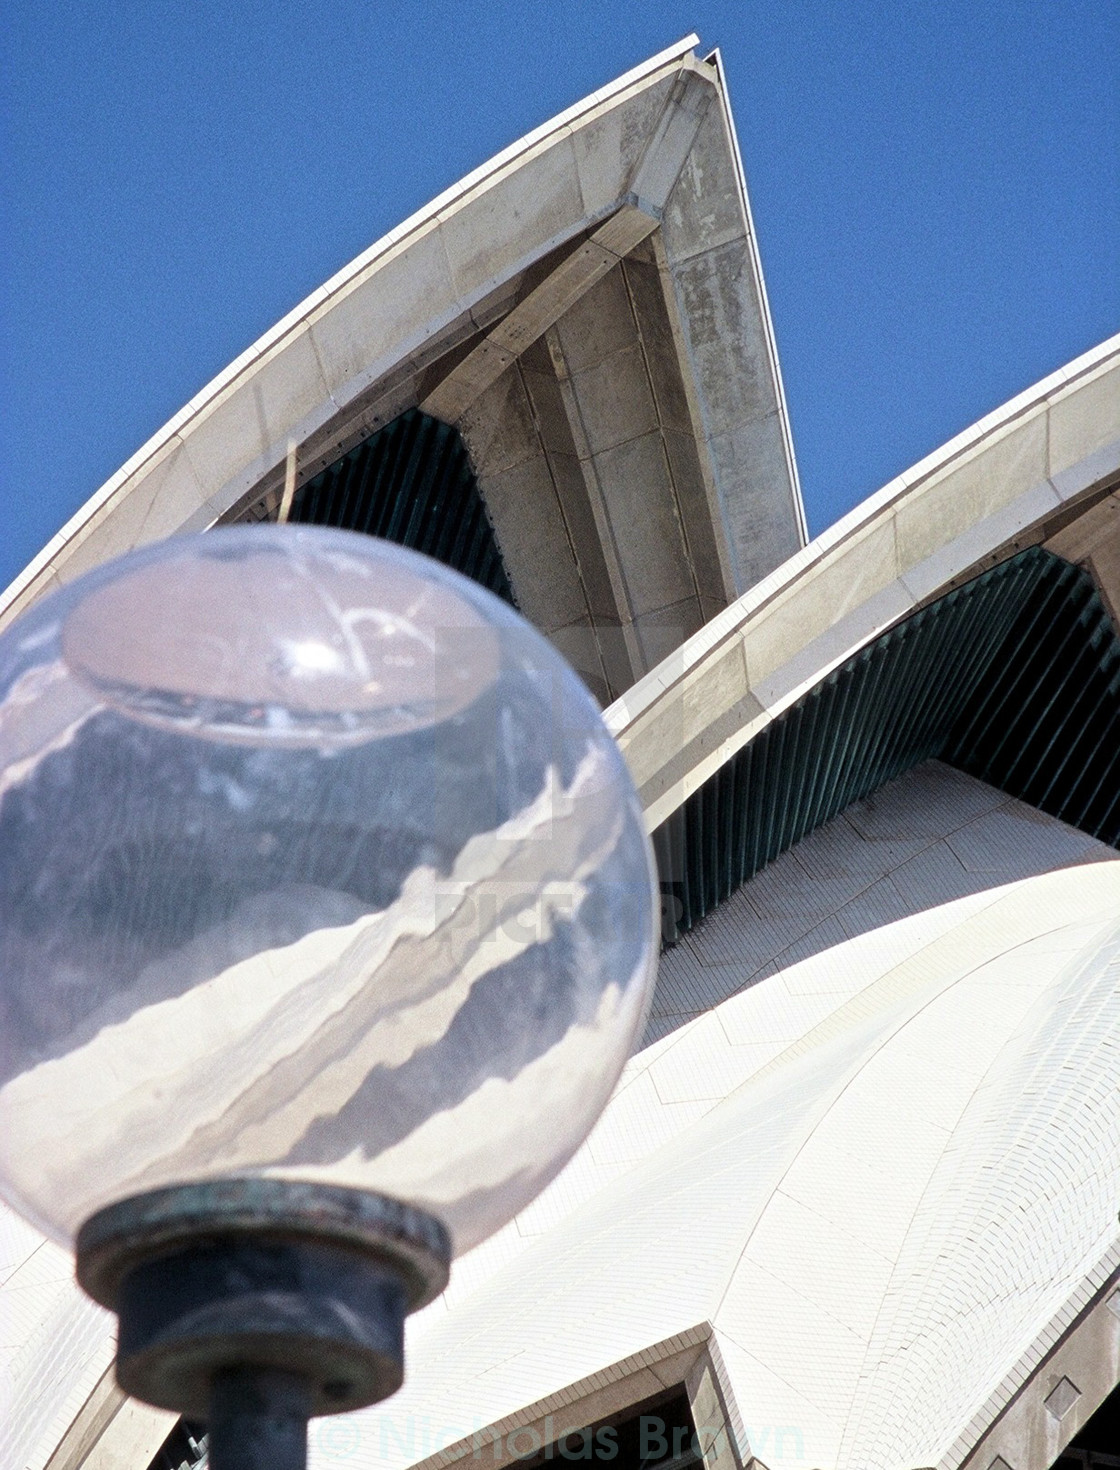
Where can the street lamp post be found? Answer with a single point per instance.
(326, 924)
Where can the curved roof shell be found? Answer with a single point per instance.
(1041, 470)
(588, 309)
(877, 1168)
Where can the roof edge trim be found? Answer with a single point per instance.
(715, 59)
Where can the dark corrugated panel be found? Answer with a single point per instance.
(1014, 677)
(411, 483)
(1046, 725)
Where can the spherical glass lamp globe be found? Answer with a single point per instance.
(317, 863)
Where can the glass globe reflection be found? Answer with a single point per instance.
(316, 862)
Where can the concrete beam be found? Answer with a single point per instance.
(653, 179)
(1093, 541)
(665, 156)
(542, 308)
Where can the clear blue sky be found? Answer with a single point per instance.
(936, 189)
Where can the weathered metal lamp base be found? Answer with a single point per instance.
(257, 1303)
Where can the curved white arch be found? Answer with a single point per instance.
(439, 278)
(454, 269)
(995, 488)
(427, 274)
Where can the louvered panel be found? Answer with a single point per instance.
(1015, 678)
(411, 483)
(1046, 729)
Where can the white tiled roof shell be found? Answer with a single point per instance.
(54, 1344)
(878, 1169)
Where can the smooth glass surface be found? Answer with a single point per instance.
(316, 860)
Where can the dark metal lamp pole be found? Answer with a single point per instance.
(257, 1303)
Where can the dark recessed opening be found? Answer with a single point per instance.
(183, 1449)
(1097, 1445)
(656, 1434)
(411, 483)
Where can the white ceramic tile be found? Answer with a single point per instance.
(781, 1426)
